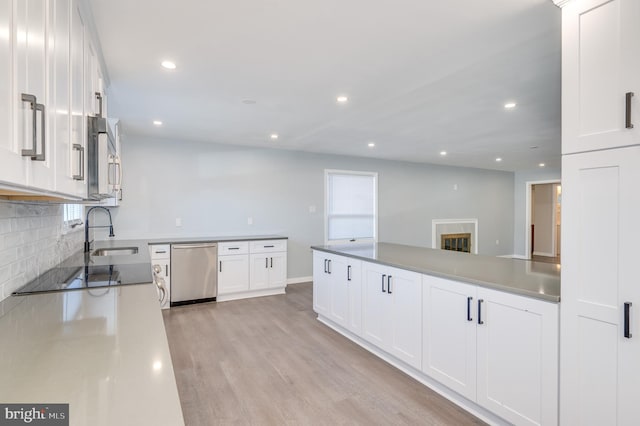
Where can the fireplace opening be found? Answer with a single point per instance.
(456, 242)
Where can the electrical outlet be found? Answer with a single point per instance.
(497, 242)
(312, 209)
(178, 222)
(455, 186)
(249, 220)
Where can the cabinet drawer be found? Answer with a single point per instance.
(160, 251)
(233, 247)
(268, 246)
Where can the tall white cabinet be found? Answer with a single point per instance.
(600, 323)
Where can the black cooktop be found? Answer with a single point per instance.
(89, 276)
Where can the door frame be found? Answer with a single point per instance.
(527, 233)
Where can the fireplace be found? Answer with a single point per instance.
(455, 234)
(456, 242)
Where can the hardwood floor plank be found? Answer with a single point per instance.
(268, 361)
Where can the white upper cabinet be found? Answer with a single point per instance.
(31, 95)
(12, 169)
(600, 71)
(43, 105)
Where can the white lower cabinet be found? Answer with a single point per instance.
(337, 290)
(233, 273)
(497, 349)
(392, 311)
(251, 268)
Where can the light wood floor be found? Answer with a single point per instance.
(269, 361)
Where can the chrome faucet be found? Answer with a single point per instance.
(87, 243)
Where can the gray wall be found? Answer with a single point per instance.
(520, 200)
(214, 188)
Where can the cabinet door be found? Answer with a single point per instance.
(517, 358)
(277, 270)
(376, 312)
(599, 365)
(59, 113)
(449, 334)
(31, 78)
(77, 157)
(259, 274)
(354, 284)
(321, 294)
(12, 165)
(404, 291)
(339, 291)
(600, 64)
(233, 273)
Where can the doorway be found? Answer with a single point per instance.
(544, 221)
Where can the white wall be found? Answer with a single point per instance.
(520, 200)
(214, 188)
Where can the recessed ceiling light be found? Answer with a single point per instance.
(342, 99)
(443, 153)
(274, 136)
(371, 144)
(541, 165)
(533, 147)
(157, 123)
(169, 65)
(510, 105)
(248, 101)
(498, 159)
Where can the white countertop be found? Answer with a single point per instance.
(533, 279)
(104, 351)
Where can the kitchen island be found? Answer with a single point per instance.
(480, 330)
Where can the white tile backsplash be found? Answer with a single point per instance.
(31, 242)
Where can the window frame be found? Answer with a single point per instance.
(74, 224)
(374, 239)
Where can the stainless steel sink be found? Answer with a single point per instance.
(115, 251)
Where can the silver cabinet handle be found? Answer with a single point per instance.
(166, 270)
(266, 262)
(348, 272)
(627, 119)
(221, 266)
(271, 261)
(43, 136)
(80, 149)
(99, 98)
(627, 314)
(389, 284)
(33, 102)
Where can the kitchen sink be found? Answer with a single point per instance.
(115, 251)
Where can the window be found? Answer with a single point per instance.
(72, 215)
(351, 206)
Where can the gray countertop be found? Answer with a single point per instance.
(104, 351)
(534, 279)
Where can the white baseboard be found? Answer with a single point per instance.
(515, 256)
(541, 253)
(299, 280)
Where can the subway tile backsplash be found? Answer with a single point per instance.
(31, 242)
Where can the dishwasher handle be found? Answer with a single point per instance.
(192, 246)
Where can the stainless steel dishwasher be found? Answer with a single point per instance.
(194, 273)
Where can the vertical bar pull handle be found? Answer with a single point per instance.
(383, 277)
(480, 311)
(271, 262)
(627, 328)
(80, 149)
(389, 284)
(469, 300)
(627, 113)
(266, 262)
(325, 266)
(329, 266)
(99, 98)
(43, 135)
(166, 269)
(348, 272)
(221, 266)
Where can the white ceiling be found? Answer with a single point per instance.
(422, 76)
